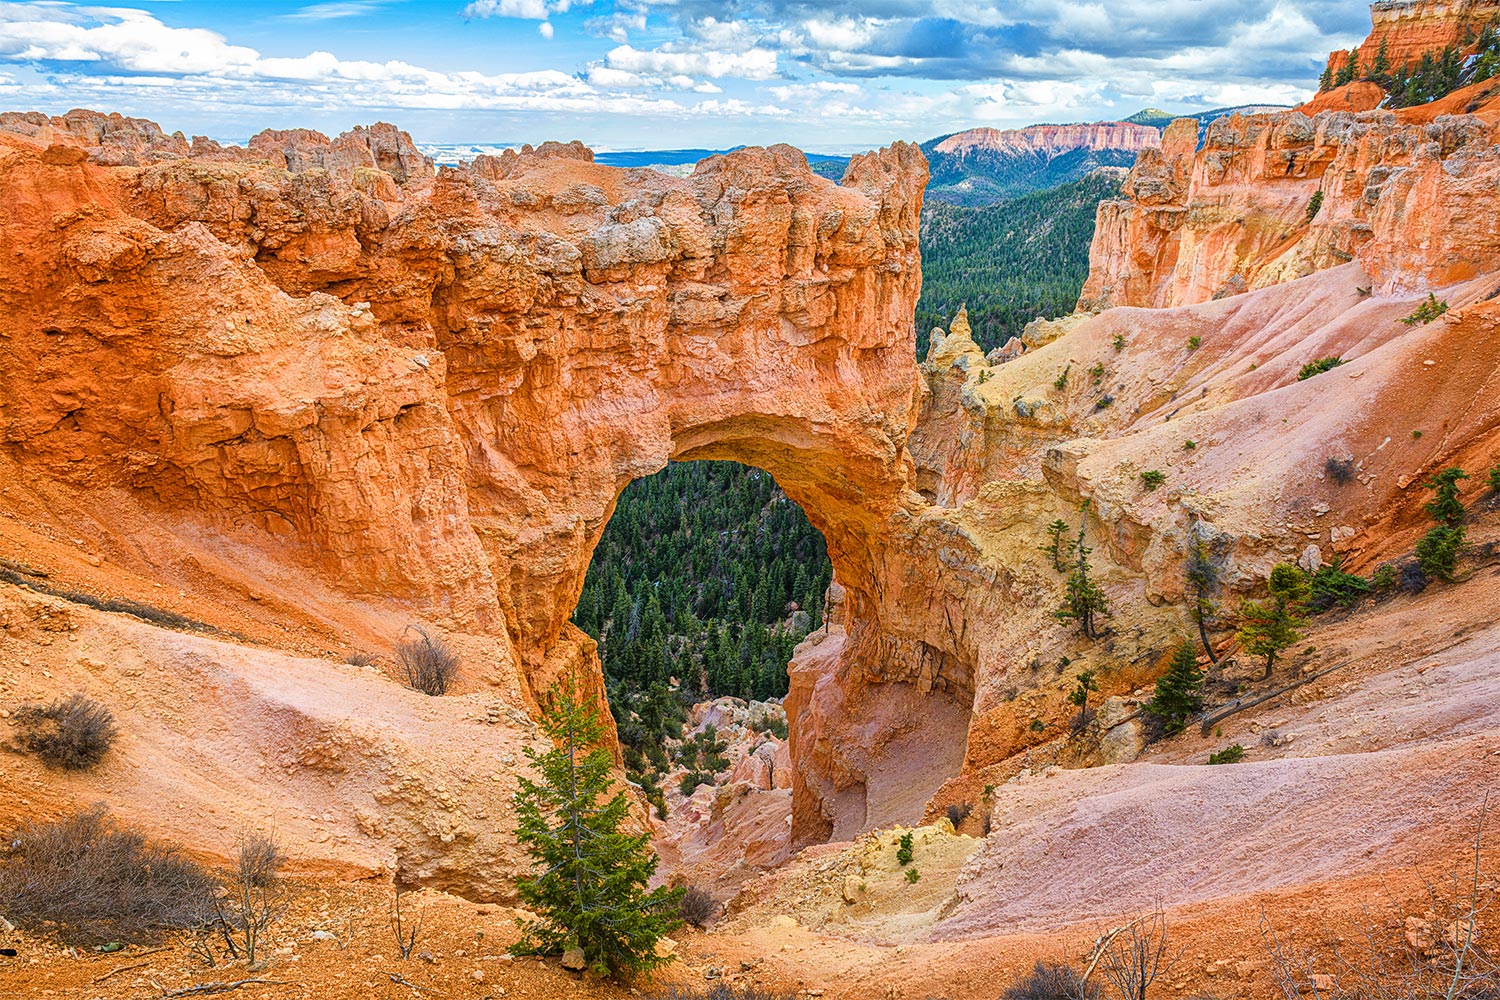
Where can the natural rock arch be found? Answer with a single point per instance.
(431, 385)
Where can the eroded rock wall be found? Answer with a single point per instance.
(1270, 198)
(429, 387)
(1409, 29)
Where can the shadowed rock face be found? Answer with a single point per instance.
(432, 386)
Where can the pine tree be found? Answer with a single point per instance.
(1080, 696)
(590, 890)
(1055, 547)
(1325, 81)
(1179, 692)
(1437, 551)
(1400, 80)
(1203, 582)
(1267, 628)
(1380, 70)
(1445, 507)
(1084, 601)
(1349, 70)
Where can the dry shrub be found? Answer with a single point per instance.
(1051, 981)
(720, 992)
(361, 659)
(697, 907)
(406, 930)
(426, 664)
(260, 860)
(958, 813)
(1137, 956)
(1444, 950)
(246, 906)
(73, 733)
(1340, 470)
(92, 880)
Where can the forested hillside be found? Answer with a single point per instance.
(706, 573)
(1010, 262)
(706, 576)
(984, 177)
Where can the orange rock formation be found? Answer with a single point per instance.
(431, 387)
(1410, 28)
(1394, 192)
(320, 359)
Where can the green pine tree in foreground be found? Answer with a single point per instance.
(591, 887)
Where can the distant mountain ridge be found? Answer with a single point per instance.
(1161, 119)
(982, 166)
(452, 154)
(973, 167)
(1052, 139)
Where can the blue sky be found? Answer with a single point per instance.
(661, 73)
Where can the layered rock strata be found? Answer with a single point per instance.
(1270, 198)
(426, 388)
(1053, 139)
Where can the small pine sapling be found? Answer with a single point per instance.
(1056, 547)
(1179, 691)
(1084, 601)
(1079, 697)
(904, 849)
(1268, 627)
(590, 891)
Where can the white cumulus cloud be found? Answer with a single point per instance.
(750, 64)
(533, 10)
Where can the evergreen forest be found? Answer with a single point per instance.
(1010, 262)
(707, 575)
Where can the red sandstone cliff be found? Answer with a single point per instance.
(1394, 191)
(1410, 28)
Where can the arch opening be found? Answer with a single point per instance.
(752, 566)
(704, 581)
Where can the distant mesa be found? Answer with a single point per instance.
(1053, 139)
(982, 166)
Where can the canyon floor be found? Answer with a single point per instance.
(1358, 791)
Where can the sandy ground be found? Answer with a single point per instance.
(1357, 789)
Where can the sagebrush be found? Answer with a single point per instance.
(697, 907)
(1051, 981)
(426, 664)
(72, 733)
(721, 992)
(90, 879)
